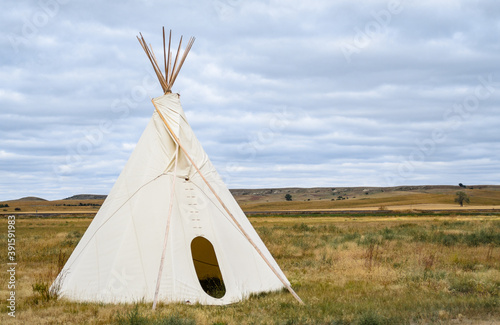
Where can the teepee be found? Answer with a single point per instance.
(169, 230)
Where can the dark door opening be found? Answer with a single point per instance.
(207, 267)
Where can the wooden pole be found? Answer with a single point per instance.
(167, 230)
(156, 68)
(165, 56)
(169, 59)
(171, 71)
(186, 51)
(176, 139)
(175, 61)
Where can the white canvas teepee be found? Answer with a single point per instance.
(169, 230)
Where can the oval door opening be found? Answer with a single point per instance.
(207, 267)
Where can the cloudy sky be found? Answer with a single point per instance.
(280, 93)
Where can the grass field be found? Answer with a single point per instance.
(410, 268)
(392, 200)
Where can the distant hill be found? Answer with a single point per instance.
(324, 193)
(87, 197)
(30, 198)
(363, 196)
(418, 197)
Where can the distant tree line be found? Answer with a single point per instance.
(81, 205)
(4, 205)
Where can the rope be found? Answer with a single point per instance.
(206, 263)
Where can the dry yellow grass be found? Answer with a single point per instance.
(373, 270)
(397, 201)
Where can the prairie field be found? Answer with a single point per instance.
(399, 268)
(422, 197)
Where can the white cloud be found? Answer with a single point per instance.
(10, 96)
(267, 89)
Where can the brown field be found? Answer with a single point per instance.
(398, 268)
(395, 198)
(482, 197)
(58, 206)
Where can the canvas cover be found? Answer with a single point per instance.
(118, 257)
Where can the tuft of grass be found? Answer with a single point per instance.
(135, 317)
(371, 318)
(301, 227)
(72, 238)
(42, 293)
(463, 284)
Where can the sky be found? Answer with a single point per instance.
(279, 93)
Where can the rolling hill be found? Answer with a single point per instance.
(423, 197)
